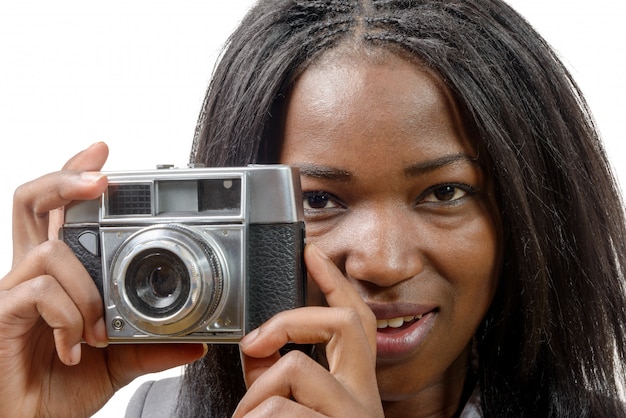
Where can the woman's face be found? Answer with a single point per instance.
(395, 195)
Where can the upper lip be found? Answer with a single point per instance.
(399, 309)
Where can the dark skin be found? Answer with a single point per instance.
(397, 199)
(401, 217)
(49, 303)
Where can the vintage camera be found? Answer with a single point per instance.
(193, 254)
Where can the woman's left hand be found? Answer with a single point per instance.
(296, 385)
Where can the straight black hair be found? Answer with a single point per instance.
(554, 340)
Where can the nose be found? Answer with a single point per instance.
(385, 249)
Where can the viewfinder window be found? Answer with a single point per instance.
(220, 195)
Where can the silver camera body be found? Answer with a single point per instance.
(196, 254)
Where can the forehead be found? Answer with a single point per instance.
(379, 100)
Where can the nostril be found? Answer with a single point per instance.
(383, 270)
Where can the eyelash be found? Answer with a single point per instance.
(325, 198)
(464, 188)
(322, 197)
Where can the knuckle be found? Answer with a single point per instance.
(54, 256)
(273, 404)
(39, 297)
(368, 317)
(55, 267)
(347, 317)
(350, 317)
(47, 293)
(41, 287)
(35, 291)
(294, 362)
(22, 193)
(50, 251)
(62, 261)
(25, 199)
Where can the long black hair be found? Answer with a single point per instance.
(554, 340)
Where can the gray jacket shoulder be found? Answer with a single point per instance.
(154, 399)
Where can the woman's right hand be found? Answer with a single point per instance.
(49, 304)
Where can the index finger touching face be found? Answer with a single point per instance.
(337, 289)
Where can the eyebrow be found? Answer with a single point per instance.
(324, 172)
(337, 174)
(437, 163)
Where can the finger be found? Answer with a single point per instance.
(92, 159)
(33, 202)
(347, 329)
(276, 407)
(338, 291)
(296, 376)
(55, 259)
(43, 297)
(350, 358)
(254, 367)
(313, 325)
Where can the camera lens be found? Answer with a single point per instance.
(157, 282)
(167, 280)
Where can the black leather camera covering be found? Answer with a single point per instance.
(91, 261)
(276, 272)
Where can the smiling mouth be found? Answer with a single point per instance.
(395, 323)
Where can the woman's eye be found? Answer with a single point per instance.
(447, 193)
(318, 201)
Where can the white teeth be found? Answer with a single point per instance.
(395, 322)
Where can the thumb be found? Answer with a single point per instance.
(254, 367)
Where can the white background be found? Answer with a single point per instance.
(133, 74)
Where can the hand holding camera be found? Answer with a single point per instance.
(49, 304)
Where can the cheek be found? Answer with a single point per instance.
(334, 237)
(473, 266)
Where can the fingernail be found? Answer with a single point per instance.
(75, 355)
(94, 144)
(249, 338)
(100, 333)
(205, 349)
(317, 251)
(91, 176)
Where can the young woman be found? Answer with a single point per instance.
(466, 231)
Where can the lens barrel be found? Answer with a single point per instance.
(168, 279)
